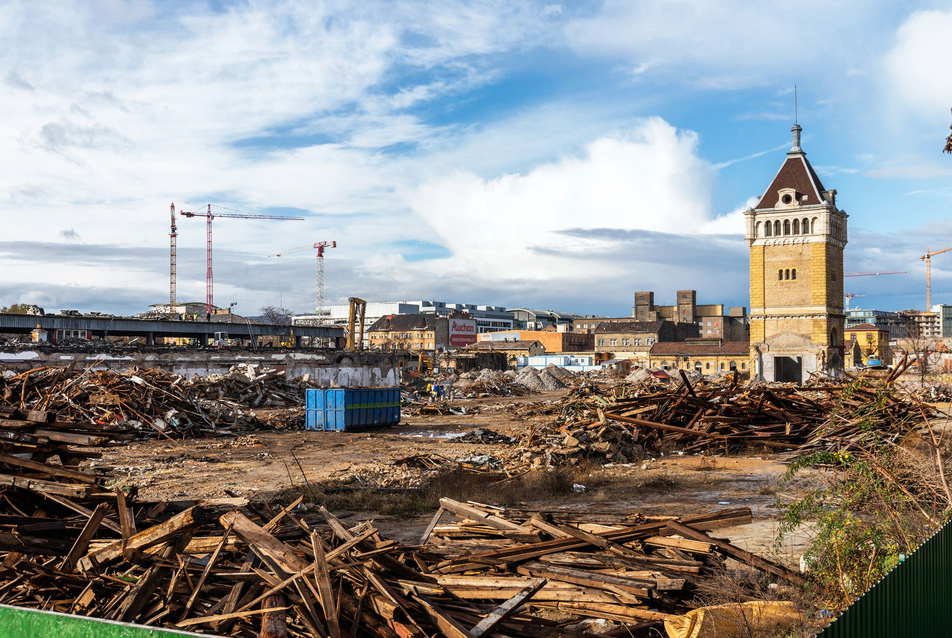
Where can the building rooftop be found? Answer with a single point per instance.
(629, 326)
(687, 348)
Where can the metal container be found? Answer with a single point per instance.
(346, 409)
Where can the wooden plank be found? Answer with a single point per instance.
(472, 513)
(274, 623)
(127, 521)
(264, 544)
(72, 439)
(739, 554)
(274, 522)
(191, 622)
(45, 487)
(433, 523)
(205, 572)
(449, 626)
(679, 543)
(85, 511)
(639, 588)
(82, 542)
(52, 470)
(488, 625)
(150, 537)
(322, 577)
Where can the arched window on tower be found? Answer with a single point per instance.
(757, 230)
(796, 227)
(793, 274)
(813, 227)
(767, 228)
(786, 227)
(833, 337)
(806, 226)
(780, 275)
(786, 274)
(776, 228)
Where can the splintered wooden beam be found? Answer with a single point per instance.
(192, 517)
(323, 579)
(51, 470)
(82, 543)
(269, 548)
(501, 613)
(274, 623)
(46, 487)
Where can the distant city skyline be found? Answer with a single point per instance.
(531, 154)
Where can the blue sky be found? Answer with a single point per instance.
(517, 154)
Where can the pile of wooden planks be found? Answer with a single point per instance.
(631, 569)
(230, 567)
(620, 425)
(150, 403)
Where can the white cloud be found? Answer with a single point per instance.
(650, 179)
(917, 67)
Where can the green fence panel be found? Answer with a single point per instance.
(913, 600)
(19, 622)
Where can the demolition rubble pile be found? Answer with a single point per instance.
(231, 567)
(691, 417)
(145, 402)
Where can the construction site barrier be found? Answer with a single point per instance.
(912, 600)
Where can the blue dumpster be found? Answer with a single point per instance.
(346, 409)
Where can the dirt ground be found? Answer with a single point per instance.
(271, 465)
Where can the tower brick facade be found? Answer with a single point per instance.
(796, 236)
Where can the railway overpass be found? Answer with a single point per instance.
(105, 326)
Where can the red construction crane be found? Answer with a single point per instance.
(172, 257)
(928, 259)
(209, 278)
(319, 246)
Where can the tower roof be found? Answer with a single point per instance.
(796, 173)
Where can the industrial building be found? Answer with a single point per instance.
(712, 320)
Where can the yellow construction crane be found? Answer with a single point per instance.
(928, 259)
(358, 309)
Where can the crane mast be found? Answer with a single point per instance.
(928, 259)
(173, 242)
(209, 276)
(319, 246)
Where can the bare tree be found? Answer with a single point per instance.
(923, 351)
(275, 315)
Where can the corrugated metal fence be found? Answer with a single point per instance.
(914, 599)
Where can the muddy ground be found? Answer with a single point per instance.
(361, 472)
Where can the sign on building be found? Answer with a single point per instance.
(462, 332)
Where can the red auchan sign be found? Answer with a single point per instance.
(462, 332)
